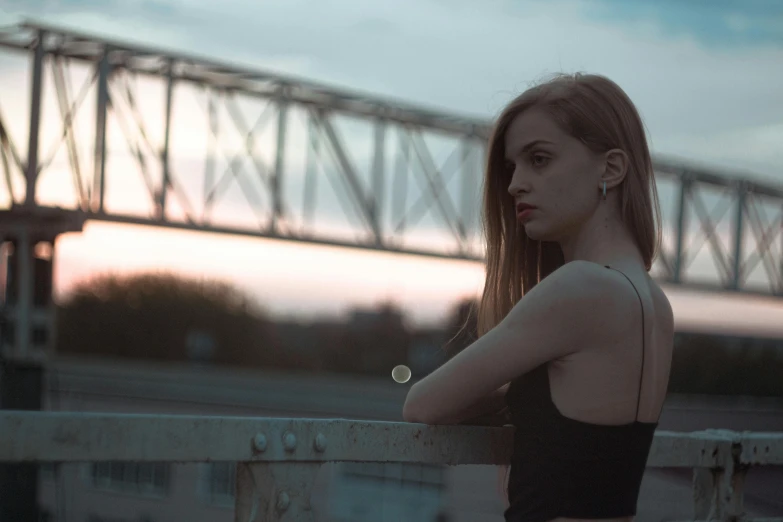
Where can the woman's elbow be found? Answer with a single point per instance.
(410, 414)
(407, 414)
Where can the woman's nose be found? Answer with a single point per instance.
(517, 186)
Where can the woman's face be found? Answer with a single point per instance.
(553, 172)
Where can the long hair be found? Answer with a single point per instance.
(596, 111)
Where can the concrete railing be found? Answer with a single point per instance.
(278, 458)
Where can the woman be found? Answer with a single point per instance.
(582, 360)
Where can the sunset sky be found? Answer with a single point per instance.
(705, 76)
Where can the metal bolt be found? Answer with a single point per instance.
(320, 443)
(259, 442)
(289, 441)
(283, 501)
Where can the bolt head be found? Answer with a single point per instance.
(259, 442)
(320, 443)
(289, 441)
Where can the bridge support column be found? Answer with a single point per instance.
(27, 332)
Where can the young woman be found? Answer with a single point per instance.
(575, 338)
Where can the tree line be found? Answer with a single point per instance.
(163, 317)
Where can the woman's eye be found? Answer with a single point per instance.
(539, 160)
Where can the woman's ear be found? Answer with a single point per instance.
(615, 169)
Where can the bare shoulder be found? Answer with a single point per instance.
(582, 300)
(599, 291)
(586, 296)
(587, 286)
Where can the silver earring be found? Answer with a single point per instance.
(604, 190)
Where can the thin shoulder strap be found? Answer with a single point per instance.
(641, 376)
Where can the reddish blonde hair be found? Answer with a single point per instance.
(595, 110)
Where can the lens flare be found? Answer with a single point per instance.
(401, 373)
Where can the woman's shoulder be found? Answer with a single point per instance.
(585, 279)
(594, 288)
(609, 288)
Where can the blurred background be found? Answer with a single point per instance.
(261, 208)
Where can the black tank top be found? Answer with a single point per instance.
(562, 467)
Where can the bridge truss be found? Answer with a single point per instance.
(397, 178)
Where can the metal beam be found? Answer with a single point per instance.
(378, 169)
(349, 174)
(277, 176)
(99, 161)
(165, 161)
(679, 254)
(95, 437)
(31, 167)
(736, 274)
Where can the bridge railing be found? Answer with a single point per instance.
(278, 458)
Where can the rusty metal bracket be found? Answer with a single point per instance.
(275, 491)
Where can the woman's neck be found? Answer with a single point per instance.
(605, 242)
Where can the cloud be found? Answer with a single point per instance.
(723, 24)
(161, 10)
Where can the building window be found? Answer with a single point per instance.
(221, 482)
(144, 478)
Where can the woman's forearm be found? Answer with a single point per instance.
(485, 410)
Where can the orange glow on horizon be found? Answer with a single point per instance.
(285, 276)
(305, 280)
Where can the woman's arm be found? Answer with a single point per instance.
(499, 419)
(487, 411)
(496, 413)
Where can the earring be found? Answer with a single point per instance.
(604, 190)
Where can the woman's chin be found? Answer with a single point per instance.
(535, 232)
